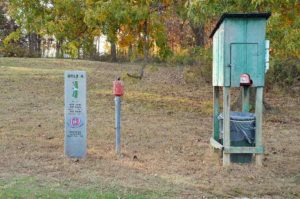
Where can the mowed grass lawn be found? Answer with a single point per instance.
(166, 126)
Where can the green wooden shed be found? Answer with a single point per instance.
(239, 47)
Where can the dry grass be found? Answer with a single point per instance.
(166, 124)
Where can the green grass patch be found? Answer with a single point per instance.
(29, 187)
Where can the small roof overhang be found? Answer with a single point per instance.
(265, 15)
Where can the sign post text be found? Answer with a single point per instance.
(75, 114)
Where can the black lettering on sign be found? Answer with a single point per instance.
(75, 134)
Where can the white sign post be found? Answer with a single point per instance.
(75, 114)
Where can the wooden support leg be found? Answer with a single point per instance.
(245, 98)
(226, 124)
(216, 132)
(258, 132)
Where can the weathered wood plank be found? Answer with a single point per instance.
(215, 144)
(258, 132)
(245, 99)
(216, 132)
(226, 124)
(256, 150)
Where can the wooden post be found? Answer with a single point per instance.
(216, 132)
(226, 124)
(245, 99)
(258, 132)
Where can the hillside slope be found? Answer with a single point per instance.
(166, 126)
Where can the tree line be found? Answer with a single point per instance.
(161, 30)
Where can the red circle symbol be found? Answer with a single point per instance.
(75, 121)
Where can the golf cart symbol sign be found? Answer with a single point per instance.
(75, 114)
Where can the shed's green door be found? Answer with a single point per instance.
(243, 59)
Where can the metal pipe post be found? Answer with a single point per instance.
(118, 125)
